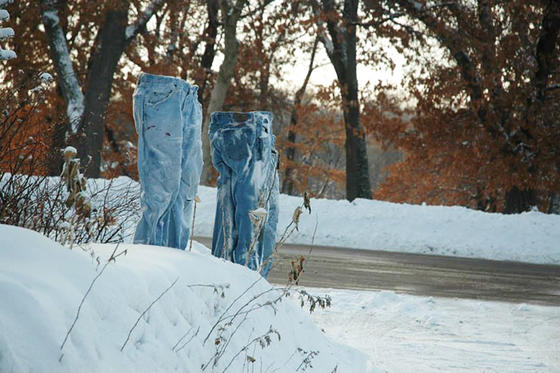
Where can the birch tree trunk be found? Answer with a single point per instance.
(230, 17)
(65, 73)
(86, 115)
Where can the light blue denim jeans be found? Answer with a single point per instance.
(243, 153)
(168, 120)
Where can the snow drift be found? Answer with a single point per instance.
(42, 284)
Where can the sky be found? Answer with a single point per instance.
(325, 74)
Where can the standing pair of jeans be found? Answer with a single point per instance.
(243, 153)
(168, 120)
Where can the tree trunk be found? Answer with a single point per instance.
(289, 174)
(65, 73)
(230, 16)
(546, 53)
(55, 159)
(112, 42)
(519, 200)
(210, 48)
(341, 49)
(357, 167)
(554, 203)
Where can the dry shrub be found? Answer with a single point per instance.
(31, 199)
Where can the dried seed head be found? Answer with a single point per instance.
(196, 199)
(307, 201)
(70, 152)
(296, 215)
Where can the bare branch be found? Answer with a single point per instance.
(145, 311)
(140, 24)
(65, 73)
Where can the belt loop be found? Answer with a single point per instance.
(194, 90)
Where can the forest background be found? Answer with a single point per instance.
(442, 102)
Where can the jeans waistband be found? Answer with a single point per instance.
(228, 118)
(146, 79)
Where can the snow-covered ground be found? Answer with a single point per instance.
(405, 333)
(531, 237)
(440, 230)
(42, 283)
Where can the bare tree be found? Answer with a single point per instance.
(231, 13)
(289, 174)
(86, 113)
(337, 31)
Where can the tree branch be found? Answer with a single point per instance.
(65, 73)
(139, 26)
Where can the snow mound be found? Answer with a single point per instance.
(42, 284)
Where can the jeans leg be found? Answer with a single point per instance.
(158, 122)
(231, 155)
(223, 236)
(191, 167)
(242, 153)
(246, 199)
(270, 228)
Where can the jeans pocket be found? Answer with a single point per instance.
(159, 95)
(238, 142)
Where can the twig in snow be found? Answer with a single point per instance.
(175, 349)
(145, 311)
(218, 288)
(264, 341)
(196, 200)
(229, 307)
(112, 257)
(314, 230)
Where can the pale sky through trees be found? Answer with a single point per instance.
(324, 74)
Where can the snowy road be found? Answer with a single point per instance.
(425, 275)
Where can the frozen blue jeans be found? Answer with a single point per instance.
(247, 205)
(168, 120)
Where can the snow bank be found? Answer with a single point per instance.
(531, 237)
(42, 283)
(439, 230)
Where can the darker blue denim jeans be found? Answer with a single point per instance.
(168, 120)
(243, 153)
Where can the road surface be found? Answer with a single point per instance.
(426, 275)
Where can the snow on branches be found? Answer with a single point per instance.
(5, 32)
